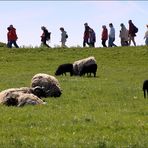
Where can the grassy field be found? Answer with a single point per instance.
(108, 111)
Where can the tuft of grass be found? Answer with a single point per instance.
(107, 111)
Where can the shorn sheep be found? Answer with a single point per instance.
(92, 68)
(78, 65)
(64, 68)
(21, 96)
(145, 88)
(49, 83)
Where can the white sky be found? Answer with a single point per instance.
(28, 17)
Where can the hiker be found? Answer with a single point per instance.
(92, 38)
(64, 37)
(111, 36)
(104, 36)
(146, 36)
(12, 37)
(132, 33)
(123, 35)
(45, 36)
(86, 35)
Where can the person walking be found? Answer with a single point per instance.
(64, 37)
(111, 36)
(86, 35)
(92, 38)
(123, 35)
(132, 33)
(45, 36)
(12, 37)
(104, 36)
(146, 36)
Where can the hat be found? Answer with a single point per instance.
(86, 24)
(147, 25)
(43, 27)
(11, 26)
(61, 28)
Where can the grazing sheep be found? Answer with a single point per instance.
(92, 68)
(63, 68)
(78, 65)
(49, 83)
(145, 88)
(19, 97)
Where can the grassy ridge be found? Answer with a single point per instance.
(106, 111)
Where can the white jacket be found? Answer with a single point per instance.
(124, 33)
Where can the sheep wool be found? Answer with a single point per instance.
(78, 65)
(49, 83)
(19, 97)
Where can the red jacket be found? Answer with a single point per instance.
(104, 34)
(11, 35)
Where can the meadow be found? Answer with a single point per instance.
(106, 111)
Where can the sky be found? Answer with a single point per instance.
(28, 17)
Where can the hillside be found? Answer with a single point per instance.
(106, 111)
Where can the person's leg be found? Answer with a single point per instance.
(113, 42)
(63, 44)
(110, 42)
(84, 43)
(146, 41)
(133, 39)
(129, 40)
(44, 42)
(15, 44)
(103, 43)
(10, 44)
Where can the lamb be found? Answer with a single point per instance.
(20, 97)
(92, 68)
(49, 83)
(78, 65)
(145, 88)
(63, 68)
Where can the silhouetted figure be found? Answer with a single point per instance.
(86, 35)
(104, 36)
(45, 36)
(12, 37)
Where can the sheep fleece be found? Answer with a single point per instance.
(50, 84)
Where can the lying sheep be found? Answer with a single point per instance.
(92, 68)
(63, 68)
(145, 88)
(20, 97)
(78, 65)
(49, 83)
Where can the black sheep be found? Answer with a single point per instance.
(63, 68)
(92, 68)
(145, 88)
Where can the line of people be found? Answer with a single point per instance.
(89, 37)
(126, 35)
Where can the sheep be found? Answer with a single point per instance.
(49, 83)
(63, 68)
(78, 65)
(19, 97)
(145, 88)
(92, 68)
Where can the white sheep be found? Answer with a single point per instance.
(78, 65)
(19, 97)
(49, 83)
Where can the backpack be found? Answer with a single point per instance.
(66, 36)
(48, 36)
(135, 29)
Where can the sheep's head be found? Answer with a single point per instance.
(39, 91)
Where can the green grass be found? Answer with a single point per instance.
(108, 111)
